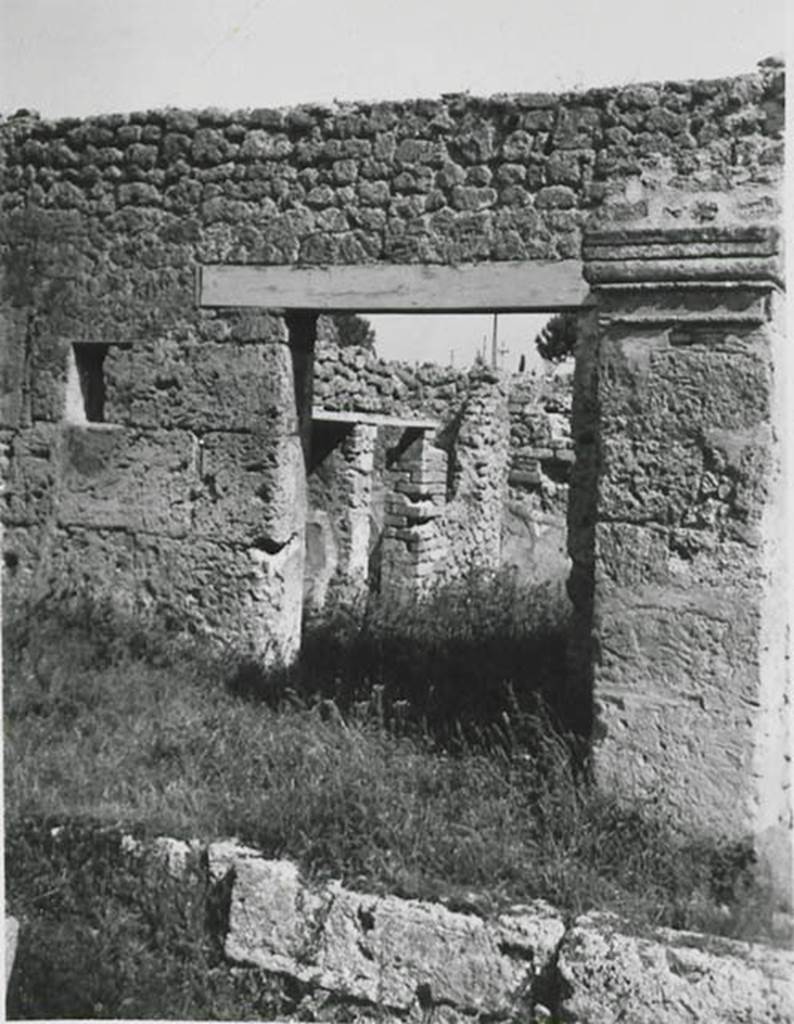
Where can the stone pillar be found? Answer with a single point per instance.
(479, 447)
(358, 453)
(678, 529)
(279, 555)
(412, 541)
(340, 514)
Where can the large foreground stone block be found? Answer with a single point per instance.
(610, 976)
(387, 949)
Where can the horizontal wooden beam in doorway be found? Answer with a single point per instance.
(525, 286)
(373, 419)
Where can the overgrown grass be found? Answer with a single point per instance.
(106, 936)
(469, 656)
(413, 752)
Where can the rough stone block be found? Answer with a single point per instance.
(524, 477)
(655, 385)
(252, 488)
(679, 663)
(381, 951)
(208, 386)
(31, 459)
(244, 598)
(517, 146)
(564, 168)
(12, 365)
(609, 975)
(113, 477)
(399, 505)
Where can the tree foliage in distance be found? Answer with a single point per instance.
(557, 339)
(354, 330)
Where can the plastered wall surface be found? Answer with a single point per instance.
(672, 525)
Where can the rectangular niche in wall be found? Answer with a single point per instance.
(85, 397)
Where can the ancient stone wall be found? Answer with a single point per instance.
(183, 497)
(667, 193)
(455, 179)
(477, 442)
(345, 514)
(103, 221)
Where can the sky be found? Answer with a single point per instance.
(80, 57)
(76, 57)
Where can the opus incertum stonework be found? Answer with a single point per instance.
(163, 275)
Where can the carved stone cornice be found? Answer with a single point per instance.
(695, 274)
(746, 253)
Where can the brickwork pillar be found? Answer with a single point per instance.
(412, 541)
(678, 529)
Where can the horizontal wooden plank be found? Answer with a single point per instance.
(526, 286)
(374, 419)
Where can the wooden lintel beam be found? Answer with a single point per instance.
(526, 286)
(373, 419)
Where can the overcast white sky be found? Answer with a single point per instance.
(85, 56)
(78, 57)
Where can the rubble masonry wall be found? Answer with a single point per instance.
(186, 488)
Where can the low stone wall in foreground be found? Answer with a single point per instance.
(362, 958)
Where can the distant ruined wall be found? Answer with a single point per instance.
(350, 379)
(445, 513)
(436, 499)
(519, 523)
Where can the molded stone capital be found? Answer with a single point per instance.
(692, 255)
(684, 275)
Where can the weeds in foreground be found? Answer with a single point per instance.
(348, 767)
(107, 937)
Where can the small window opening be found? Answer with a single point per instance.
(89, 361)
